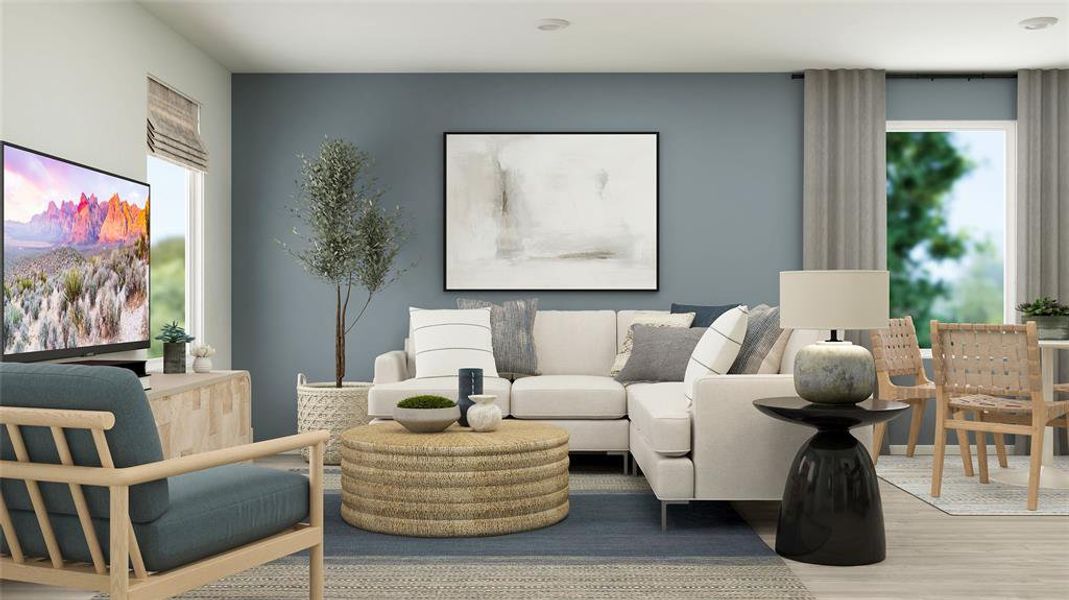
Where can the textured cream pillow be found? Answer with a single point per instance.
(650, 320)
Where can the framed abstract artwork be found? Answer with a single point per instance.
(551, 211)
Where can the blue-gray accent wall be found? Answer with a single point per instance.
(730, 191)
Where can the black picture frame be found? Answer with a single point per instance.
(81, 351)
(445, 213)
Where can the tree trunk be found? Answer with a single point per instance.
(339, 339)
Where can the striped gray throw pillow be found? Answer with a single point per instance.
(512, 332)
(762, 332)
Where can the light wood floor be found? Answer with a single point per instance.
(930, 555)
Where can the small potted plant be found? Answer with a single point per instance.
(426, 414)
(174, 339)
(202, 358)
(1051, 317)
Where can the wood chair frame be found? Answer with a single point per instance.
(103, 576)
(1000, 363)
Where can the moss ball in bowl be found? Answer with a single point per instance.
(426, 414)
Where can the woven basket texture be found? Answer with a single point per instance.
(323, 406)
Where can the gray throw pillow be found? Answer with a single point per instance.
(660, 353)
(762, 331)
(512, 334)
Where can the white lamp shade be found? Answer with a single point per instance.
(834, 299)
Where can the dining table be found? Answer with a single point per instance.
(1050, 477)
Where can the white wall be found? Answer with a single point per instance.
(74, 85)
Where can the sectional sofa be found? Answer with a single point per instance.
(721, 448)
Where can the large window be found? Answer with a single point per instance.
(175, 199)
(950, 210)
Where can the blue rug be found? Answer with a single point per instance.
(598, 525)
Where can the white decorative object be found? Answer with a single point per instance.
(484, 415)
(336, 409)
(834, 371)
(551, 211)
(202, 361)
(448, 340)
(426, 420)
(717, 349)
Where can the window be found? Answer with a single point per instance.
(175, 201)
(950, 221)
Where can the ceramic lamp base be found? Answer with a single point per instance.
(834, 373)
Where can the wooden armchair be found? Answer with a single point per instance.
(80, 508)
(992, 373)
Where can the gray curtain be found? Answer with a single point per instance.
(1043, 192)
(845, 173)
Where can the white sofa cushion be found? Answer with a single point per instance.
(717, 349)
(671, 477)
(568, 397)
(595, 435)
(448, 340)
(383, 398)
(661, 413)
(575, 342)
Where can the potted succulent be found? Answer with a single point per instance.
(174, 339)
(347, 239)
(426, 414)
(1051, 317)
(202, 358)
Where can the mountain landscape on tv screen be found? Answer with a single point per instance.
(76, 272)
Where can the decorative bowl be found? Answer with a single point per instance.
(426, 420)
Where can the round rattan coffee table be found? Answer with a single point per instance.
(456, 483)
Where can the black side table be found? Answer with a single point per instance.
(831, 512)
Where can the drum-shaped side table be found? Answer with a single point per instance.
(831, 512)
(456, 483)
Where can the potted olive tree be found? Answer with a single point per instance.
(349, 240)
(1051, 317)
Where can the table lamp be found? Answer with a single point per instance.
(834, 371)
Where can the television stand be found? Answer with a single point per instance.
(137, 366)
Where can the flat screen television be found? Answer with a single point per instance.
(76, 258)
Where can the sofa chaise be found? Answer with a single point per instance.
(721, 448)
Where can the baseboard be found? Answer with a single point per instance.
(929, 449)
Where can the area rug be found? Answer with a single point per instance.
(610, 547)
(963, 495)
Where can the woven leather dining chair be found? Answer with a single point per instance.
(991, 372)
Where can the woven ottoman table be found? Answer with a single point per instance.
(456, 483)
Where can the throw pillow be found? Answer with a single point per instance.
(654, 320)
(447, 340)
(717, 348)
(660, 353)
(774, 358)
(762, 333)
(512, 331)
(703, 315)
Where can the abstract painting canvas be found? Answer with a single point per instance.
(551, 211)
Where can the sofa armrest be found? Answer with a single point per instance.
(391, 367)
(738, 452)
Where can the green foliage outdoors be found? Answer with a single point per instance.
(1043, 307)
(168, 288)
(922, 168)
(426, 401)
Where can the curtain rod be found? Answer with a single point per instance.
(934, 76)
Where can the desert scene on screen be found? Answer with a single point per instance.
(76, 256)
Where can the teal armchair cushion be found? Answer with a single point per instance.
(133, 441)
(210, 512)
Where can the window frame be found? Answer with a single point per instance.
(194, 257)
(1009, 128)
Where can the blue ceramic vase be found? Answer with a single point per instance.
(471, 383)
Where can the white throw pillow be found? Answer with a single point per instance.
(717, 349)
(445, 341)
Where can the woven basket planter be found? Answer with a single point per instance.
(323, 406)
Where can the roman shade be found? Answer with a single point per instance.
(174, 127)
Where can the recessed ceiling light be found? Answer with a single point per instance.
(1038, 23)
(553, 24)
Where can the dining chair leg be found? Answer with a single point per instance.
(1000, 446)
(940, 449)
(963, 444)
(981, 453)
(879, 430)
(915, 421)
(1035, 463)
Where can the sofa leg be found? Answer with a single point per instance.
(664, 511)
(627, 459)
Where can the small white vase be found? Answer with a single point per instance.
(202, 364)
(485, 415)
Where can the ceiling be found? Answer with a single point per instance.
(307, 36)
